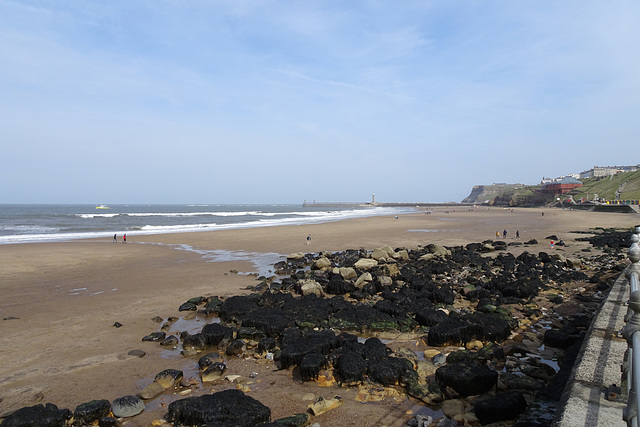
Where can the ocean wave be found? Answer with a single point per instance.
(28, 229)
(244, 219)
(91, 216)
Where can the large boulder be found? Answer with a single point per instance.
(225, 408)
(169, 377)
(501, 407)
(321, 263)
(365, 264)
(127, 406)
(308, 286)
(38, 416)
(466, 379)
(87, 413)
(347, 273)
(363, 280)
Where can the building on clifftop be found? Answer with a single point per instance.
(562, 186)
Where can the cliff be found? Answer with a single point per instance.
(486, 193)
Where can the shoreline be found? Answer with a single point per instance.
(60, 299)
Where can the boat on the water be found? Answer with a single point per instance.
(101, 206)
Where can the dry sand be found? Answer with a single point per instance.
(60, 300)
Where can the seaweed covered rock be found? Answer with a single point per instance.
(504, 406)
(466, 379)
(311, 365)
(271, 320)
(454, 330)
(235, 308)
(459, 330)
(430, 316)
(210, 337)
(350, 367)
(389, 371)
(87, 413)
(296, 344)
(127, 406)
(38, 416)
(225, 408)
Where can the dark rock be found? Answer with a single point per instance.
(557, 339)
(214, 372)
(273, 321)
(266, 344)
(235, 308)
(389, 371)
(87, 413)
(430, 316)
(169, 377)
(108, 422)
(155, 336)
(299, 420)
(170, 341)
(225, 408)
(454, 330)
(188, 306)
(504, 406)
(209, 359)
(38, 416)
(236, 348)
(311, 365)
(117, 325)
(137, 353)
(210, 337)
(466, 379)
(295, 345)
(350, 367)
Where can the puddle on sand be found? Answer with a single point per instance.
(426, 411)
(192, 326)
(189, 370)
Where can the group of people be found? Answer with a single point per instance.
(124, 238)
(504, 234)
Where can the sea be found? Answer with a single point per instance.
(28, 223)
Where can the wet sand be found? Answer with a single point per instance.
(60, 301)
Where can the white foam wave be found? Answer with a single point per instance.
(267, 220)
(90, 216)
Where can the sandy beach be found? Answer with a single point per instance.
(60, 301)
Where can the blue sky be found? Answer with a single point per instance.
(283, 101)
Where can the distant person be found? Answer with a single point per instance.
(124, 238)
(504, 234)
(497, 234)
(309, 239)
(552, 244)
(517, 234)
(115, 238)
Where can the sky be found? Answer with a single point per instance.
(234, 101)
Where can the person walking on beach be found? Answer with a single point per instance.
(497, 234)
(517, 234)
(115, 238)
(504, 234)
(124, 238)
(309, 239)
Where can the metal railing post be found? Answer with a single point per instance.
(631, 333)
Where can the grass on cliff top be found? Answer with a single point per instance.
(628, 183)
